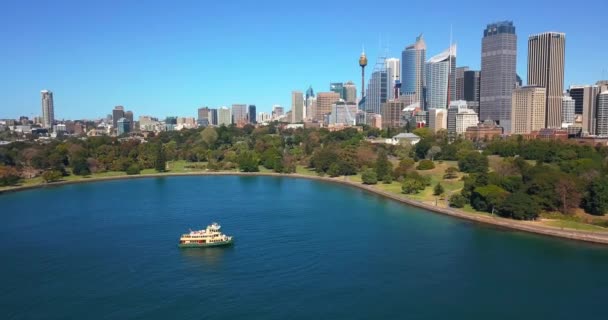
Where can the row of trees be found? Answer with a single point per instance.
(531, 176)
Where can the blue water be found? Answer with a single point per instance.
(304, 249)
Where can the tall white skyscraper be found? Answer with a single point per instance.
(393, 70)
(567, 109)
(48, 109)
(439, 78)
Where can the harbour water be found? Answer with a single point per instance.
(304, 249)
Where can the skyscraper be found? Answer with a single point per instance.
(585, 102)
(471, 89)
(117, 113)
(48, 109)
(298, 112)
(350, 92)
(239, 114)
(439, 79)
(377, 91)
(528, 109)
(213, 119)
(438, 119)
(251, 114)
(277, 112)
(324, 102)
(392, 112)
(224, 116)
(546, 54)
(602, 114)
(337, 87)
(567, 109)
(459, 76)
(129, 117)
(393, 69)
(123, 125)
(413, 60)
(498, 75)
(204, 116)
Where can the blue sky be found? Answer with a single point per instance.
(169, 58)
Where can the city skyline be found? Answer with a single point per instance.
(151, 73)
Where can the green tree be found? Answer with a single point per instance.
(80, 167)
(334, 170)
(383, 166)
(209, 136)
(457, 201)
(388, 179)
(438, 190)
(488, 198)
(248, 162)
(595, 201)
(369, 176)
(403, 168)
(473, 162)
(425, 165)
(519, 206)
(133, 169)
(160, 161)
(51, 176)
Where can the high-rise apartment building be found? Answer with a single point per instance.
(602, 114)
(48, 109)
(324, 102)
(350, 92)
(439, 79)
(546, 55)
(471, 89)
(528, 109)
(298, 111)
(567, 109)
(224, 116)
(239, 114)
(498, 74)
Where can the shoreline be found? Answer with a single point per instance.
(514, 225)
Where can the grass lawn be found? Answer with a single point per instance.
(305, 171)
(573, 225)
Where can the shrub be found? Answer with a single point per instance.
(133, 169)
(425, 165)
(369, 176)
(388, 179)
(438, 190)
(457, 201)
(451, 173)
(51, 176)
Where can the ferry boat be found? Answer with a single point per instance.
(210, 237)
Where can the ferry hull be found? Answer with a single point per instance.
(206, 245)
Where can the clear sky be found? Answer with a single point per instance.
(170, 57)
